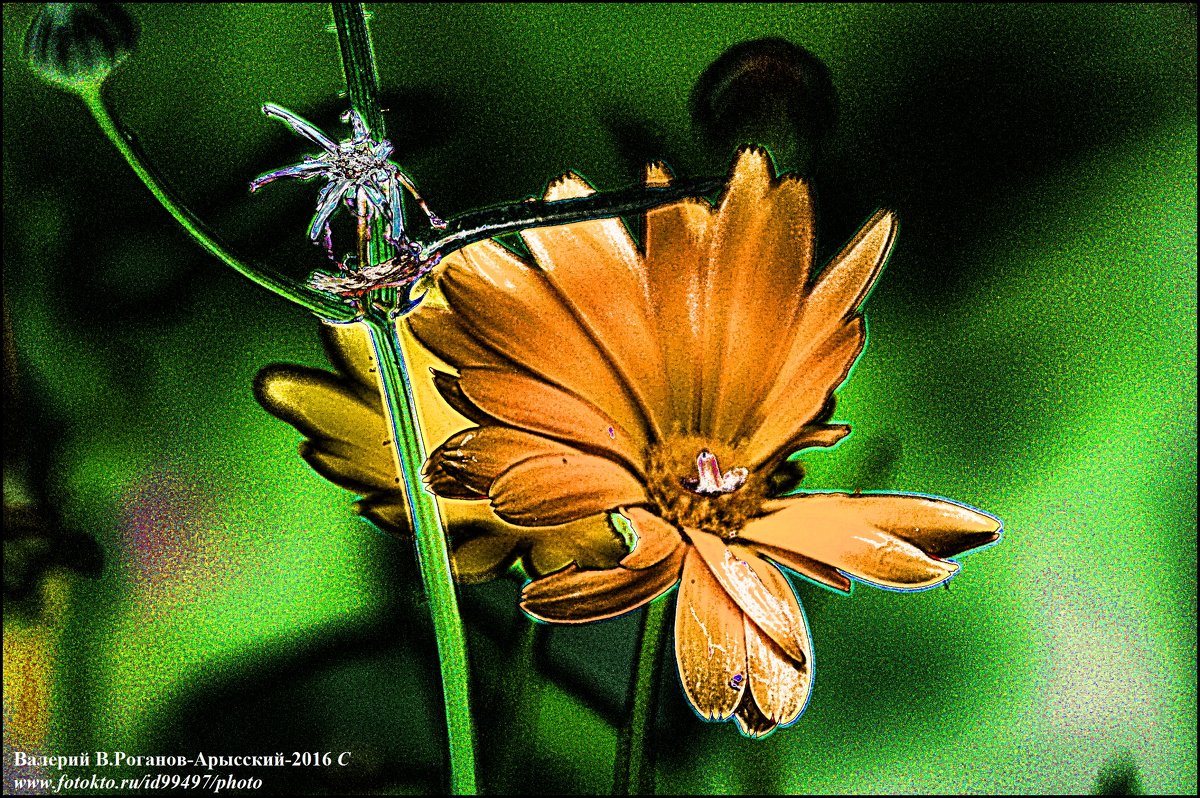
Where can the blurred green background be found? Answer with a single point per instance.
(1032, 353)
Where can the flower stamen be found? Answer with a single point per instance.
(712, 482)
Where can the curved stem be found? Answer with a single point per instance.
(320, 304)
(433, 556)
(467, 228)
(633, 773)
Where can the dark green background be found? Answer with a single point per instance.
(1032, 352)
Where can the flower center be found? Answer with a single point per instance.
(690, 490)
(711, 481)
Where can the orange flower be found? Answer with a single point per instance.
(669, 384)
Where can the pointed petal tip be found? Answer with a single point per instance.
(568, 186)
(753, 157)
(658, 174)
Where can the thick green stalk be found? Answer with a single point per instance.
(432, 553)
(634, 770)
(324, 306)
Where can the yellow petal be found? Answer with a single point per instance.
(751, 722)
(875, 537)
(819, 572)
(597, 272)
(558, 488)
(788, 415)
(590, 543)
(827, 326)
(485, 549)
(710, 642)
(772, 614)
(676, 242)
(477, 456)
(349, 443)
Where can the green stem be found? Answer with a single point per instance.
(522, 690)
(433, 555)
(634, 770)
(320, 304)
(358, 62)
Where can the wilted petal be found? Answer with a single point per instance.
(301, 126)
(710, 642)
(303, 171)
(872, 537)
(327, 203)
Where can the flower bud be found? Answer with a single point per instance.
(76, 45)
(768, 92)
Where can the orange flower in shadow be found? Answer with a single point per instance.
(669, 384)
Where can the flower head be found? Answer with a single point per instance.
(77, 45)
(358, 172)
(669, 383)
(341, 414)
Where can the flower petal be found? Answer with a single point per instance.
(350, 444)
(476, 457)
(781, 686)
(751, 722)
(513, 309)
(790, 414)
(710, 642)
(676, 243)
(761, 250)
(591, 543)
(439, 330)
(597, 271)
(301, 126)
(827, 323)
(528, 403)
(772, 614)
(558, 488)
(876, 538)
(485, 551)
(656, 538)
(576, 596)
(807, 567)
(304, 171)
